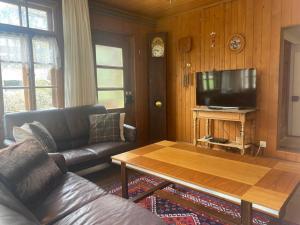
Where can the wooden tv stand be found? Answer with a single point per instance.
(246, 118)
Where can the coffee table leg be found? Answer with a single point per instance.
(246, 213)
(124, 178)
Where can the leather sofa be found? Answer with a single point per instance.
(73, 201)
(70, 130)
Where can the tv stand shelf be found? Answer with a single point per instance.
(245, 117)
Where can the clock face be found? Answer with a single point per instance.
(158, 47)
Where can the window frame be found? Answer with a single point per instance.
(55, 32)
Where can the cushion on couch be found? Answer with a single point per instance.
(104, 128)
(71, 194)
(77, 119)
(110, 148)
(41, 133)
(28, 171)
(76, 156)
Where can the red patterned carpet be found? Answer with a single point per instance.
(172, 207)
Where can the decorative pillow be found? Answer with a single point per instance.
(22, 133)
(28, 171)
(105, 127)
(43, 136)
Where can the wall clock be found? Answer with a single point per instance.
(158, 47)
(236, 43)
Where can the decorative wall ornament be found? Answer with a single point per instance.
(213, 39)
(236, 43)
(185, 48)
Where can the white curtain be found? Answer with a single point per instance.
(45, 51)
(80, 87)
(14, 48)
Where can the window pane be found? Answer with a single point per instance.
(44, 98)
(9, 14)
(111, 99)
(12, 75)
(109, 78)
(43, 75)
(109, 56)
(14, 99)
(24, 17)
(38, 19)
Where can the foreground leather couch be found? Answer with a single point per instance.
(70, 130)
(73, 201)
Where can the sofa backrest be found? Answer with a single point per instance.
(69, 127)
(78, 123)
(12, 211)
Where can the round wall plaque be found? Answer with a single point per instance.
(236, 43)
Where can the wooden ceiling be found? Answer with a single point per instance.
(156, 8)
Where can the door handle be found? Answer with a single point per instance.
(158, 104)
(295, 98)
(128, 97)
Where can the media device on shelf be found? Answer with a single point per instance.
(228, 89)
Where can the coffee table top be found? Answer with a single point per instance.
(265, 182)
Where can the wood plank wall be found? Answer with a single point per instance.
(260, 21)
(137, 31)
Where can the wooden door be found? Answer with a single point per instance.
(157, 90)
(294, 122)
(113, 69)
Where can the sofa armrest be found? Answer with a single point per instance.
(60, 161)
(8, 142)
(129, 133)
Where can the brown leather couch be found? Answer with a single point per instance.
(74, 201)
(70, 130)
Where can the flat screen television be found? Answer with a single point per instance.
(227, 89)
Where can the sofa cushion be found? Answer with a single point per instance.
(12, 211)
(41, 133)
(77, 156)
(104, 127)
(22, 133)
(28, 171)
(71, 194)
(108, 210)
(77, 119)
(110, 148)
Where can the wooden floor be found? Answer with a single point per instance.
(266, 182)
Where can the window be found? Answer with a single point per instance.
(30, 67)
(30, 15)
(110, 76)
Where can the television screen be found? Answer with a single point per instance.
(230, 88)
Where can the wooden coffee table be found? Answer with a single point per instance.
(264, 184)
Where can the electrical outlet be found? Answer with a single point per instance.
(263, 144)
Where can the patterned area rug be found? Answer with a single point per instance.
(178, 212)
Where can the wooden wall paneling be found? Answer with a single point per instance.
(275, 72)
(234, 29)
(295, 12)
(249, 30)
(260, 22)
(257, 36)
(286, 12)
(241, 29)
